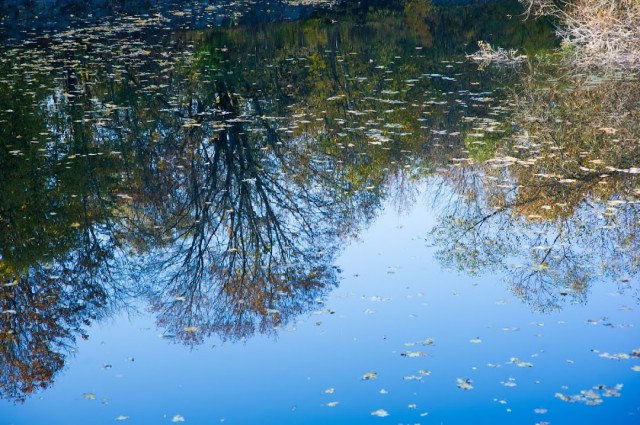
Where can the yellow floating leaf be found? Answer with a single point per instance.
(369, 375)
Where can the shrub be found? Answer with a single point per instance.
(604, 33)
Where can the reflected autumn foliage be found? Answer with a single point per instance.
(246, 229)
(212, 175)
(557, 206)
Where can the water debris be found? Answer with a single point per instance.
(332, 403)
(421, 374)
(475, 340)
(592, 397)
(619, 356)
(414, 354)
(369, 375)
(121, 418)
(487, 55)
(330, 390)
(177, 418)
(89, 396)
(381, 413)
(510, 383)
(519, 362)
(14, 283)
(635, 353)
(464, 383)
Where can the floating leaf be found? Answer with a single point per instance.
(619, 356)
(511, 382)
(381, 413)
(464, 384)
(414, 354)
(369, 375)
(520, 363)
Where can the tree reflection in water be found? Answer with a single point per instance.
(556, 206)
(247, 226)
(214, 175)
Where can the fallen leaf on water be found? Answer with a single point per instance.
(369, 375)
(520, 363)
(89, 396)
(414, 354)
(475, 340)
(593, 396)
(511, 382)
(619, 356)
(380, 413)
(464, 384)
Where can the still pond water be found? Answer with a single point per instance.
(239, 213)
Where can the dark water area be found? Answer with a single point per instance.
(285, 212)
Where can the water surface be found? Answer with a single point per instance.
(332, 215)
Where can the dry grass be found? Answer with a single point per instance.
(603, 33)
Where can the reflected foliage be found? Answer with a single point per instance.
(215, 174)
(558, 204)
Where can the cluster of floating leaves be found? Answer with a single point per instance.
(593, 396)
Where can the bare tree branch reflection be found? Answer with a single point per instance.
(557, 206)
